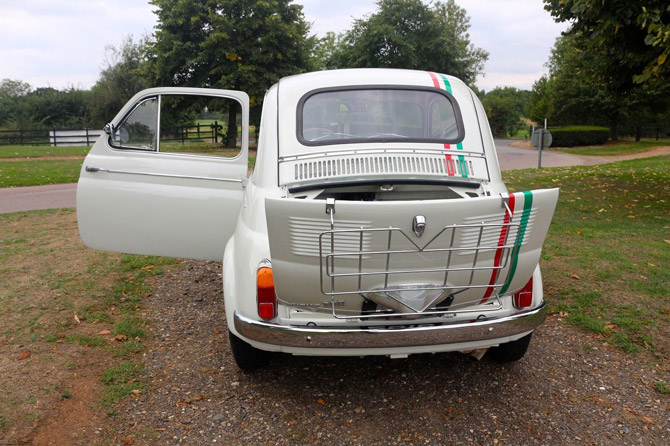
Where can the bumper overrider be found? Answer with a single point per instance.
(315, 337)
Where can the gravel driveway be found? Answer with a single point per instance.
(569, 389)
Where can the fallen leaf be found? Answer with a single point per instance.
(631, 216)
(24, 355)
(76, 319)
(321, 402)
(121, 338)
(128, 441)
(648, 420)
(575, 276)
(136, 391)
(104, 332)
(217, 331)
(580, 233)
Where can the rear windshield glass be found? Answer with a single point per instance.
(378, 114)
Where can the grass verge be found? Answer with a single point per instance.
(41, 151)
(616, 148)
(34, 173)
(605, 259)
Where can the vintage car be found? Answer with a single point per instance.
(375, 220)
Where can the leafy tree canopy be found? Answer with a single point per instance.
(235, 44)
(410, 34)
(505, 106)
(636, 34)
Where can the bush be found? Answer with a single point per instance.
(579, 135)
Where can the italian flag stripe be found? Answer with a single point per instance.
(525, 215)
(461, 163)
(436, 83)
(509, 210)
(447, 85)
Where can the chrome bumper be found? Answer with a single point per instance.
(314, 337)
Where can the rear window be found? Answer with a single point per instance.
(378, 115)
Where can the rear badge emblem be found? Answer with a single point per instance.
(419, 225)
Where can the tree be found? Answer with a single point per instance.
(635, 32)
(234, 44)
(123, 76)
(505, 107)
(410, 34)
(540, 101)
(11, 92)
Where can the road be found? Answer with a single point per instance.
(510, 157)
(52, 196)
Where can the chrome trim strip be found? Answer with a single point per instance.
(372, 151)
(165, 175)
(314, 337)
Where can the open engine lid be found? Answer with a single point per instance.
(473, 249)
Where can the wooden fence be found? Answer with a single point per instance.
(86, 137)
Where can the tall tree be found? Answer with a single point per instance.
(505, 107)
(123, 76)
(635, 32)
(411, 34)
(235, 44)
(11, 92)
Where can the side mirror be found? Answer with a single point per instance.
(109, 128)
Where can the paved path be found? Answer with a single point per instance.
(52, 196)
(511, 157)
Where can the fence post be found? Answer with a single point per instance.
(216, 132)
(55, 138)
(87, 143)
(182, 134)
(198, 130)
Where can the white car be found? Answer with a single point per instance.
(375, 221)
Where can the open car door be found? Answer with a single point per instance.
(167, 177)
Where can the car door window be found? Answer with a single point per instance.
(139, 130)
(184, 124)
(201, 125)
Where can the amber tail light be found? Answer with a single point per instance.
(266, 299)
(524, 297)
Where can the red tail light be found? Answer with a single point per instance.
(266, 299)
(524, 297)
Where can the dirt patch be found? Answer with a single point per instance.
(52, 291)
(571, 388)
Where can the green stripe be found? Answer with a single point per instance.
(461, 160)
(447, 85)
(527, 204)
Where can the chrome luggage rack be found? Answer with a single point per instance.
(453, 244)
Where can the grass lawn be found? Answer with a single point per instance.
(605, 260)
(41, 151)
(615, 148)
(37, 172)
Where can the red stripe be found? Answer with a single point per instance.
(498, 255)
(436, 83)
(449, 162)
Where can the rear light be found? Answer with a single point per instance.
(266, 299)
(524, 297)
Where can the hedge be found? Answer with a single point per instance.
(579, 135)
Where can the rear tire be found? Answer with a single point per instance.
(248, 358)
(510, 351)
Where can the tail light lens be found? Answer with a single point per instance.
(524, 297)
(266, 299)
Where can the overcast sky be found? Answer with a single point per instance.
(62, 44)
